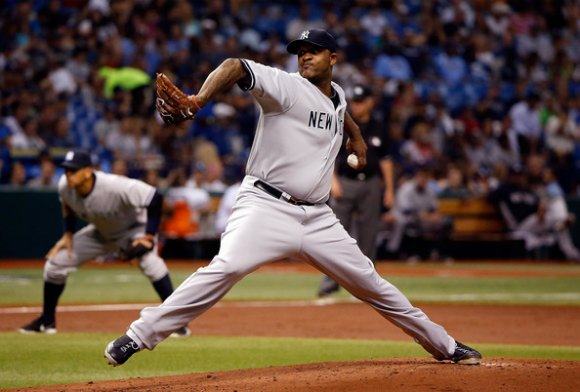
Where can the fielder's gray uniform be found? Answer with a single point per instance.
(116, 212)
(298, 136)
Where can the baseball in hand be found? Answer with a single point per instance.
(352, 161)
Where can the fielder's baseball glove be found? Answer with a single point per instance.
(173, 105)
(131, 251)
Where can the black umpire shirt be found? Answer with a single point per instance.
(375, 136)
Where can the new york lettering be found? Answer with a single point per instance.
(320, 120)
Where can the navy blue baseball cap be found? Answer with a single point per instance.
(318, 37)
(77, 159)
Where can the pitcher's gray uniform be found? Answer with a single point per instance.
(280, 213)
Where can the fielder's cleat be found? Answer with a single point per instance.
(120, 350)
(39, 326)
(327, 287)
(182, 332)
(465, 355)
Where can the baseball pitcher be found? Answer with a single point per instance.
(281, 209)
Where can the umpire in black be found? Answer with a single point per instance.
(359, 195)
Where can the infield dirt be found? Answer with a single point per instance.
(539, 325)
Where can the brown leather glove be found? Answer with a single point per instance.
(173, 105)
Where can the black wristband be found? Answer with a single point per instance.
(154, 214)
(69, 223)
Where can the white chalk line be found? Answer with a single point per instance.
(306, 303)
(123, 307)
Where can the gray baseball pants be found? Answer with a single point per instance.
(263, 229)
(89, 244)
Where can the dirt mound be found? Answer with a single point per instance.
(392, 375)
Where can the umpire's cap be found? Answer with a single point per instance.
(316, 37)
(360, 92)
(77, 159)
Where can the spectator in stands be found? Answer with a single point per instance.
(152, 177)
(60, 78)
(119, 167)
(484, 179)
(403, 103)
(475, 150)
(207, 171)
(28, 139)
(374, 22)
(526, 126)
(61, 136)
(15, 117)
(498, 21)
(458, 16)
(392, 65)
(303, 21)
(558, 219)
(508, 154)
(450, 66)
(18, 176)
(108, 124)
(129, 79)
(182, 206)
(78, 65)
(455, 183)
(420, 149)
(524, 212)
(562, 131)
(130, 141)
(48, 176)
(415, 216)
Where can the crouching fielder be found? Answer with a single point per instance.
(123, 216)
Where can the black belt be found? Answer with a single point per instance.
(269, 189)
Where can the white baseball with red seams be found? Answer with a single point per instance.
(352, 161)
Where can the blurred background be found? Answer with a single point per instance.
(473, 90)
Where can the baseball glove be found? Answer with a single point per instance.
(173, 105)
(137, 250)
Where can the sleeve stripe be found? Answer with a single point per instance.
(250, 73)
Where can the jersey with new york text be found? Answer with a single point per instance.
(298, 135)
(115, 205)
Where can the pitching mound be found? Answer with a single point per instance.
(494, 374)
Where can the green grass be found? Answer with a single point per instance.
(500, 266)
(122, 285)
(74, 357)
(525, 290)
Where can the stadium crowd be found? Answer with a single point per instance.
(469, 88)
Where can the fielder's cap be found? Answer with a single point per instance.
(360, 92)
(77, 159)
(316, 37)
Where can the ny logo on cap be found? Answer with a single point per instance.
(304, 34)
(69, 156)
